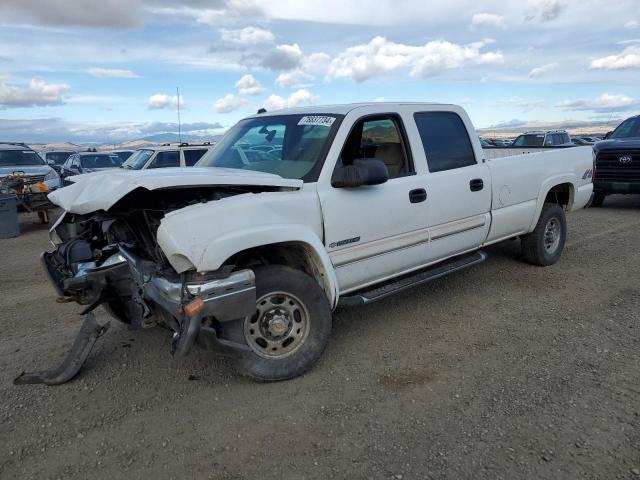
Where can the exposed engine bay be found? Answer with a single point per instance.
(112, 259)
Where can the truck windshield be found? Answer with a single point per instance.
(628, 129)
(291, 146)
(529, 140)
(12, 158)
(138, 159)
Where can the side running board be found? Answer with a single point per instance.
(379, 292)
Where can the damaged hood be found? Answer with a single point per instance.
(101, 190)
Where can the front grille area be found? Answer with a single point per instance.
(34, 178)
(609, 168)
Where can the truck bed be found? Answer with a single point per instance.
(491, 153)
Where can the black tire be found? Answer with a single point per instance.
(270, 281)
(598, 199)
(537, 247)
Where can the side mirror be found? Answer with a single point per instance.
(51, 163)
(364, 171)
(608, 134)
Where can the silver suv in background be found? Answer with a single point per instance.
(19, 159)
(550, 138)
(167, 155)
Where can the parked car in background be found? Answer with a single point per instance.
(55, 158)
(617, 162)
(87, 162)
(168, 155)
(551, 138)
(123, 155)
(19, 159)
(581, 141)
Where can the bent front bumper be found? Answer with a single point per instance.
(230, 297)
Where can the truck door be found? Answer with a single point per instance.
(373, 232)
(458, 184)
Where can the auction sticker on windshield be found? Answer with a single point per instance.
(317, 120)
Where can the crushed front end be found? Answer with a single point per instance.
(112, 259)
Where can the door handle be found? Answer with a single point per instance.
(476, 184)
(418, 195)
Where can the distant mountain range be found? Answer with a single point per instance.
(515, 127)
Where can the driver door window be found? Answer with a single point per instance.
(379, 138)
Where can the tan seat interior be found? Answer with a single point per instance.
(393, 157)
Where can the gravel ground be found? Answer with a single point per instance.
(502, 371)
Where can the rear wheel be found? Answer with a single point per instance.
(598, 199)
(291, 325)
(544, 245)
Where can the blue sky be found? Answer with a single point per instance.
(86, 70)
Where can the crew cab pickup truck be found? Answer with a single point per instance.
(617, 162)
(297, 212)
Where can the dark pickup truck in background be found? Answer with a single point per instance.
(617, 162)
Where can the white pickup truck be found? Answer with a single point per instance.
(297, 212)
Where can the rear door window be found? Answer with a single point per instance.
(445, 141)
(192, 156)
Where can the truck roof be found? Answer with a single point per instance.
(341, 109)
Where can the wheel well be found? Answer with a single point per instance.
(296, 255)
(561, 194)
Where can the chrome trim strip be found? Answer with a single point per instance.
(459, 226)
(386, 245)
(381, 246)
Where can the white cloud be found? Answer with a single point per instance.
(604, 103)
(487, 20)
(297, 98)
(381, 56)
(316, 63)
(297, 78)
(545, 10)
(207, 12)
(39, 93)
(248, 36)
(248, 85)
(161, 100)
(111, 73)
(229, 103)
(629, 58)
(283, 57)
(539, 71)
(631, 24)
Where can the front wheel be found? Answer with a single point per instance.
(291, 325)
(544, 245)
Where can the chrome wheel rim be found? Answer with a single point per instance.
(552, 235)
(279, 327)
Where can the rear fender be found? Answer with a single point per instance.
(547, 186)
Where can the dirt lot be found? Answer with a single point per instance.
(503, 371)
